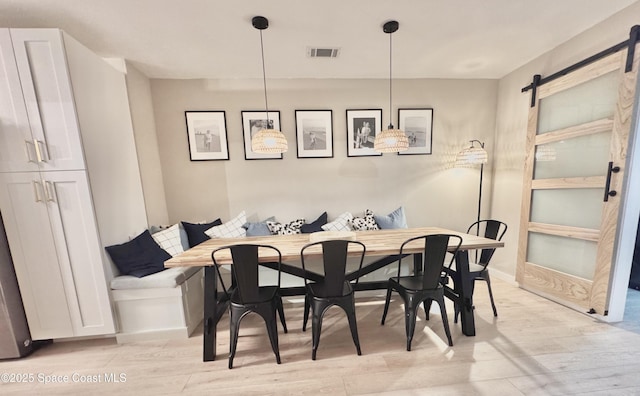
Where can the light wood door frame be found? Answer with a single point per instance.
(591, 295)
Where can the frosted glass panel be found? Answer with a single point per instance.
(586, 102)
(572, 256)
(582, 156)
(570, 207)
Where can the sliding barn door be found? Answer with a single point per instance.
(577, 141)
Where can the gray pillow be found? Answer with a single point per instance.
(395, 219)
(258, 229)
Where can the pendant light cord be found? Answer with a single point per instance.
(390, 80)
(264, 79)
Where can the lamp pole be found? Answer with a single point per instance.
(479, 187)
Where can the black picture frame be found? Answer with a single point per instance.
(314, 133)
(417, 124)
(252, 122)
(362, 127)
(207, 135)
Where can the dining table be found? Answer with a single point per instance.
(382, 245)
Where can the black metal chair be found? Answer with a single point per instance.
(246, 295)
(334, 289)
(492, 229)
(425, 286)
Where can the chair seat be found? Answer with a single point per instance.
(473, 268)
(265, 294)
(319, 289)
(412, 283)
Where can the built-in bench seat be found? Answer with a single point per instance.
(164, 305)
(170, 303)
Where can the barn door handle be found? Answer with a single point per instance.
(607, 192)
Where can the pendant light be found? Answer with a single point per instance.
(266, 140)
(391, 140)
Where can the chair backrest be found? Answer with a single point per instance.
(244, 267)
(434, 255)
(493, 229)
(334, 260)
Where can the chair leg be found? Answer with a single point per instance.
(410, 309)
(456, 311)
(269, 315)
(234, 327)
(386, 305)
(305, 319)
(280, 309)
(272, 329)
(316, 328)
(493, 305)
(445, 320)
(427, 307)
(351, 316)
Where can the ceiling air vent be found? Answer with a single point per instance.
(323, 52)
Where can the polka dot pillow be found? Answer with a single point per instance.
(368, 222)
(286, 229)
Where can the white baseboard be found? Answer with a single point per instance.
(166, 334)
(510, 279)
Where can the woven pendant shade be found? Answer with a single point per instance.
(391, 141)
(269, 141)
(471, 156)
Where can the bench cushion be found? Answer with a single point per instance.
(168, 278)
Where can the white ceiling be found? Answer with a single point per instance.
(215, 39)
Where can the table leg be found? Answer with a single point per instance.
(464, 288)
(210, 314)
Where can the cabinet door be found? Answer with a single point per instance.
(80, 253)
(33, 249)
(17, 149)
(46, 88)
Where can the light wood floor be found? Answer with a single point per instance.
(534, 347)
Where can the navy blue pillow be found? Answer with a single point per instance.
(139, 257)
(195, 232)
(316, 226)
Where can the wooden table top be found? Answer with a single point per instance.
(378, 243)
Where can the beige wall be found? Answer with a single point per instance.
(141, 105)
(430, 190)
(511, 121)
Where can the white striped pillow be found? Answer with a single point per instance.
(169, 239)
(339, 224)
(231, 229)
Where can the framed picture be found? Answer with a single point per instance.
(362, 128)
(254, 121)
(207, 135)
(417, 124)
(314, 133)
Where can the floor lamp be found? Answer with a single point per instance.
(474, 156)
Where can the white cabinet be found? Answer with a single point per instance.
(17, 152)
(41, 125)
(56, 252)
(69, 178)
